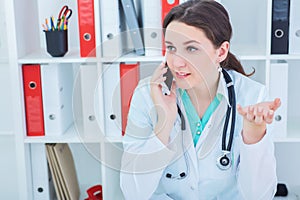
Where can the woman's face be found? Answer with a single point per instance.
(191, 56)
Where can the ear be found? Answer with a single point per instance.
(222, 51)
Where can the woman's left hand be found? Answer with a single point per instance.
(255, 119)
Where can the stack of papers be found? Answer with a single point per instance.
(63, 171)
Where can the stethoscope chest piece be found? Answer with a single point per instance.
(224, 162)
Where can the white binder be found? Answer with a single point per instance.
(152, 27)
(57, 80)
(279, 89)
(112, 99)
(112, 26)
(294, 32)
(88, 81)
(41, 178)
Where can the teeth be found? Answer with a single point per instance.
(182, 73)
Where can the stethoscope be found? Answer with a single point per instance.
(224, 160)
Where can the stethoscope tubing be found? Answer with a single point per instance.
(231, 110)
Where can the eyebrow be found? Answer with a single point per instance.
(191, 41)
(185, 43)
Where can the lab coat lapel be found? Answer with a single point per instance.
(212, 131)
(188, 140)
(214, 128)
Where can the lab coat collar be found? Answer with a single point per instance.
(212, 131)
(215, 125)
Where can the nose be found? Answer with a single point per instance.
(178, 61)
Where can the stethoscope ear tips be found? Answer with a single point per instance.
(224, 162)
(181, 176)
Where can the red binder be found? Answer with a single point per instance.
(33, 100)
(86, 23)
(129, 78)
(166, 6)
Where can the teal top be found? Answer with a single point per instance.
(197, 125)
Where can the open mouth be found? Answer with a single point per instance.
(182, 74)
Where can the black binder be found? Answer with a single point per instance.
(280, 27)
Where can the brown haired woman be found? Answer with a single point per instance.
(191, 144)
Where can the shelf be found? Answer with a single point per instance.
(98, 157)
(252, 57)
(285, 57)
(70, 136)
(114, 139)
(41, 56)
(133, 58)
(73, 56)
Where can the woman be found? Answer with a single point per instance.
(184, 156)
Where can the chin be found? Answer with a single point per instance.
(183, 85)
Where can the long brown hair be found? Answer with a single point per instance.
(211, 17)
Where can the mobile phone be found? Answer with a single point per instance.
(168, 81)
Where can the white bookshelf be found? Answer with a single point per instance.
(251, 21)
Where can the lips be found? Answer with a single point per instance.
(182, 74)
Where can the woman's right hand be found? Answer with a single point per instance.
(165, 105)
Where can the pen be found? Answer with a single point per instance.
(45, 27)
(65, 24)
(47, 24)
(61, 24)
(52, 23)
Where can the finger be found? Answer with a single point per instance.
(258, 118)
(158, 74)
(158, 80)
(159, 69)
(269, 117)
(240, 110)
(275, 104)
(162, 65)
(250, 113)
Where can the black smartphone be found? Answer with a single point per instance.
(169, 79)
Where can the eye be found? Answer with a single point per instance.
(191, 49)
(170, 48)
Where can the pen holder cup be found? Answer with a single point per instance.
(57, 42)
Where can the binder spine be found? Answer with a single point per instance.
(57, 98)
(166, 7)
(88, 83)
(111, 27)
(33, 100)
(294, 32)
(129, 78)
(279, 89)
(280, 27)
(152, 27)
(86, 28)
(41, 178)
(112, 96)
(132, 22)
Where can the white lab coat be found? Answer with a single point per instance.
(146, 160)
